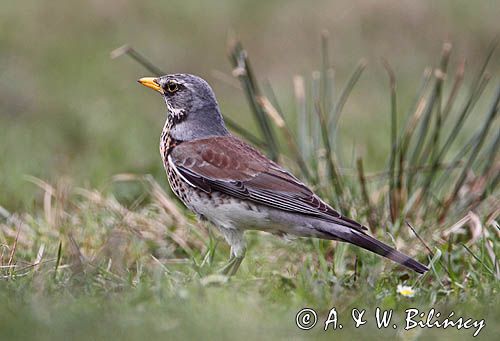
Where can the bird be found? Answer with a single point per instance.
(232, 185)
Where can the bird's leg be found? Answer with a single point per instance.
(234, 263)
(226, 269)
(235, 238)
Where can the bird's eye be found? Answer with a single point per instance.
(172, 87)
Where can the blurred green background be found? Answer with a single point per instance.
(68, 110)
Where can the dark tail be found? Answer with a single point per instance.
(369, 243)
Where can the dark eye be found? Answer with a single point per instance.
(172, 87)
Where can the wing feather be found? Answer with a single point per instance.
(230, 166)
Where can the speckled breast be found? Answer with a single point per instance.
(178, 186)
(167, 144)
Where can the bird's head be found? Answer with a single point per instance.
(191, 105)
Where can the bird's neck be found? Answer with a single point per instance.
(197, 123)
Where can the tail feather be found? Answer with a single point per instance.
(369, 243)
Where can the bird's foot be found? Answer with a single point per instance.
(232, 266)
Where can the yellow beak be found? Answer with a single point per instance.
(150, 82)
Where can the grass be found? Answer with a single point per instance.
(127, 261)
(120, 273)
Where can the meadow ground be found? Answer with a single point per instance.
(381, 116)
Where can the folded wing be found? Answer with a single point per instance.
(230, 166)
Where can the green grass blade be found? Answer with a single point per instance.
(483, 132)
(243, 71)
(334, 174)
(344, 95)
(394, 197)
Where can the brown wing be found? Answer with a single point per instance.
(228, 165)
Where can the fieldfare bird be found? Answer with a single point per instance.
(234, 186)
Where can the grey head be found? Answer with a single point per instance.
(192, 106)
